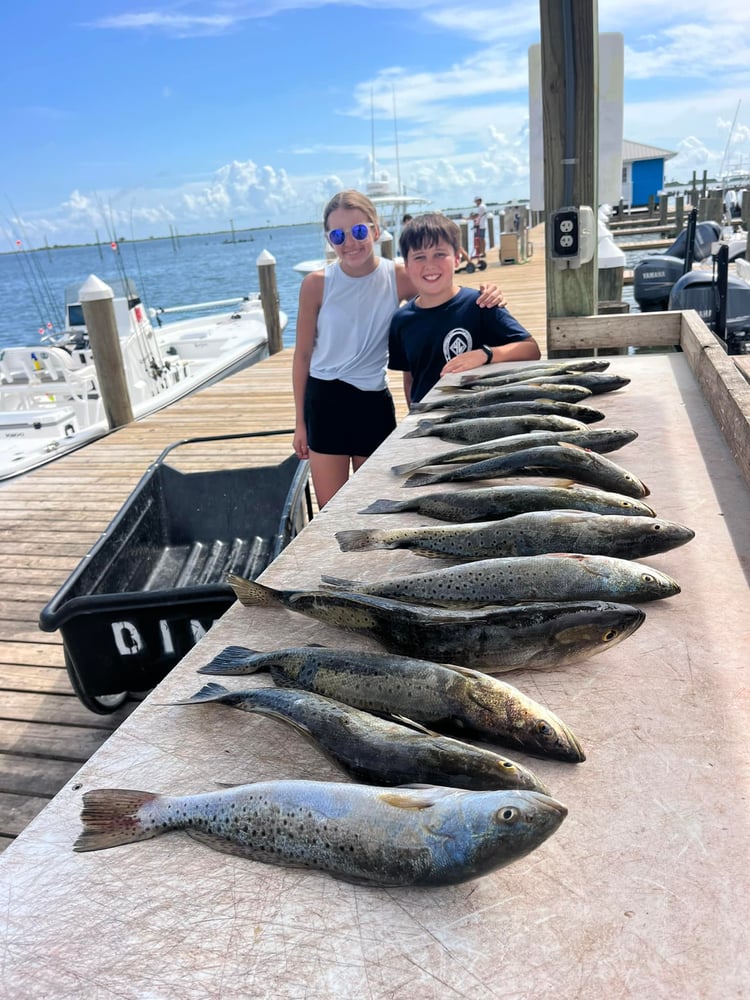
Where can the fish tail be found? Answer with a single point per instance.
(110, 817)
(356, 539)
(209, 692)
(422, 479)
(233, 660)
(420, 431)
(253, 594)
(386, 507)
(337, 583)
(401, 470)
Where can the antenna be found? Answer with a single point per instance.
(372, 132)
(729, 139)
(395, 134)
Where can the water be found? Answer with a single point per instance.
(192, 269)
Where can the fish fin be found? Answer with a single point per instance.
(384, 507)
(416, 796)
(411, 724)
(253, 594)
(354, 539)
(232, 660)
(421, 479)
(217, 843)
(110, 818)
(337, 583)
(401, 470)
(209, 692)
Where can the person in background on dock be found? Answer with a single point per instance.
(480, 227)
(441, 330)
(343, 407)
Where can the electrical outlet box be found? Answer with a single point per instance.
(571, 236)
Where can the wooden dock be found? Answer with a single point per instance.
(50, 518)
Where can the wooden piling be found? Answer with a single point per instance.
(97, 300)
(269, 297)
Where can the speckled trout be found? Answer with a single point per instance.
(539, 407)
(529, 534)
(596, 382)
(503, 394)
(515, 372)
(360, 833)
(444, 697)
(495, 639)
(598, 439)
(376, 750)
(488, 428)
(494, 503)
(566, 461)
(519, 579)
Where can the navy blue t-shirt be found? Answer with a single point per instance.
(421, 341)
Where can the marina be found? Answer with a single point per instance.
(629, 865)
(651, 841)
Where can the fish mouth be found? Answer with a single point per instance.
(550, 805)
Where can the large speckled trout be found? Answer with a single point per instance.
(534, 636)
(361, 833)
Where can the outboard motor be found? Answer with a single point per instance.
(706, 234)
(698, 290)
(653, 279)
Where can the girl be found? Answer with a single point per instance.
(344, 410)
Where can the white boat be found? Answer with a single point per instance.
(50, 401)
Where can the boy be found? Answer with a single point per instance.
(442, 329)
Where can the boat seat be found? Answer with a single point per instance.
(20, 364)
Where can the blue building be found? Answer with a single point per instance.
(642, 172)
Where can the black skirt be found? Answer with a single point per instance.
(344, 420)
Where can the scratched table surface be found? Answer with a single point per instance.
(643, 891)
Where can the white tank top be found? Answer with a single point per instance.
(351, 341)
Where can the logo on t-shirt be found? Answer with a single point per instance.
(456, 342)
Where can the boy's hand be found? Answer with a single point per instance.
(464, 362)
(491, 297)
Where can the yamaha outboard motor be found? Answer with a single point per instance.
(653, 279)
(706, 234)
(698, 290)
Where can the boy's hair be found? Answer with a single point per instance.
(428, 230)
(351, 199)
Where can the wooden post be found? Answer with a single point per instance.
(746, 219)
(269, 297)
(651, 203)
(490, 231)
(97, 300)
(386, 244)
(663, 206)
(463, 225)
(704, 184)
(570, 291)
(679, 214)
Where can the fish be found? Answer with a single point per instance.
(374, 750)
(495, 639)
(508, 393)
(487, 429)
(533, 407)
(444, 697)
(558, 576)
(598, 439)
(533, 533)
(596, 382)
(513, 373)
(561, 460)
(498, 502)
(364, 834)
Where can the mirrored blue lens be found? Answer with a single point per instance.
(359, 232)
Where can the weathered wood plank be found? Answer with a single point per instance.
(575, 333)
(63, 709)
(34, 776)
(17, 811)
(71, 743)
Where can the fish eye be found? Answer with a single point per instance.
(648, 578)
(508, 765)
(609, 635)
(507, 815)
(543, 728)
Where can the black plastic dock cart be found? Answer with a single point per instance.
(153, 583)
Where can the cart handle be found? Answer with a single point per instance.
(217, 437)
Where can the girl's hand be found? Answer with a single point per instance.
(491, 297)
(299, 443)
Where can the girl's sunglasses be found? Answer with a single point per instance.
(337, 236)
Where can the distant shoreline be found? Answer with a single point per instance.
(154, 239)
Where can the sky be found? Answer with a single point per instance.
(137, 119)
